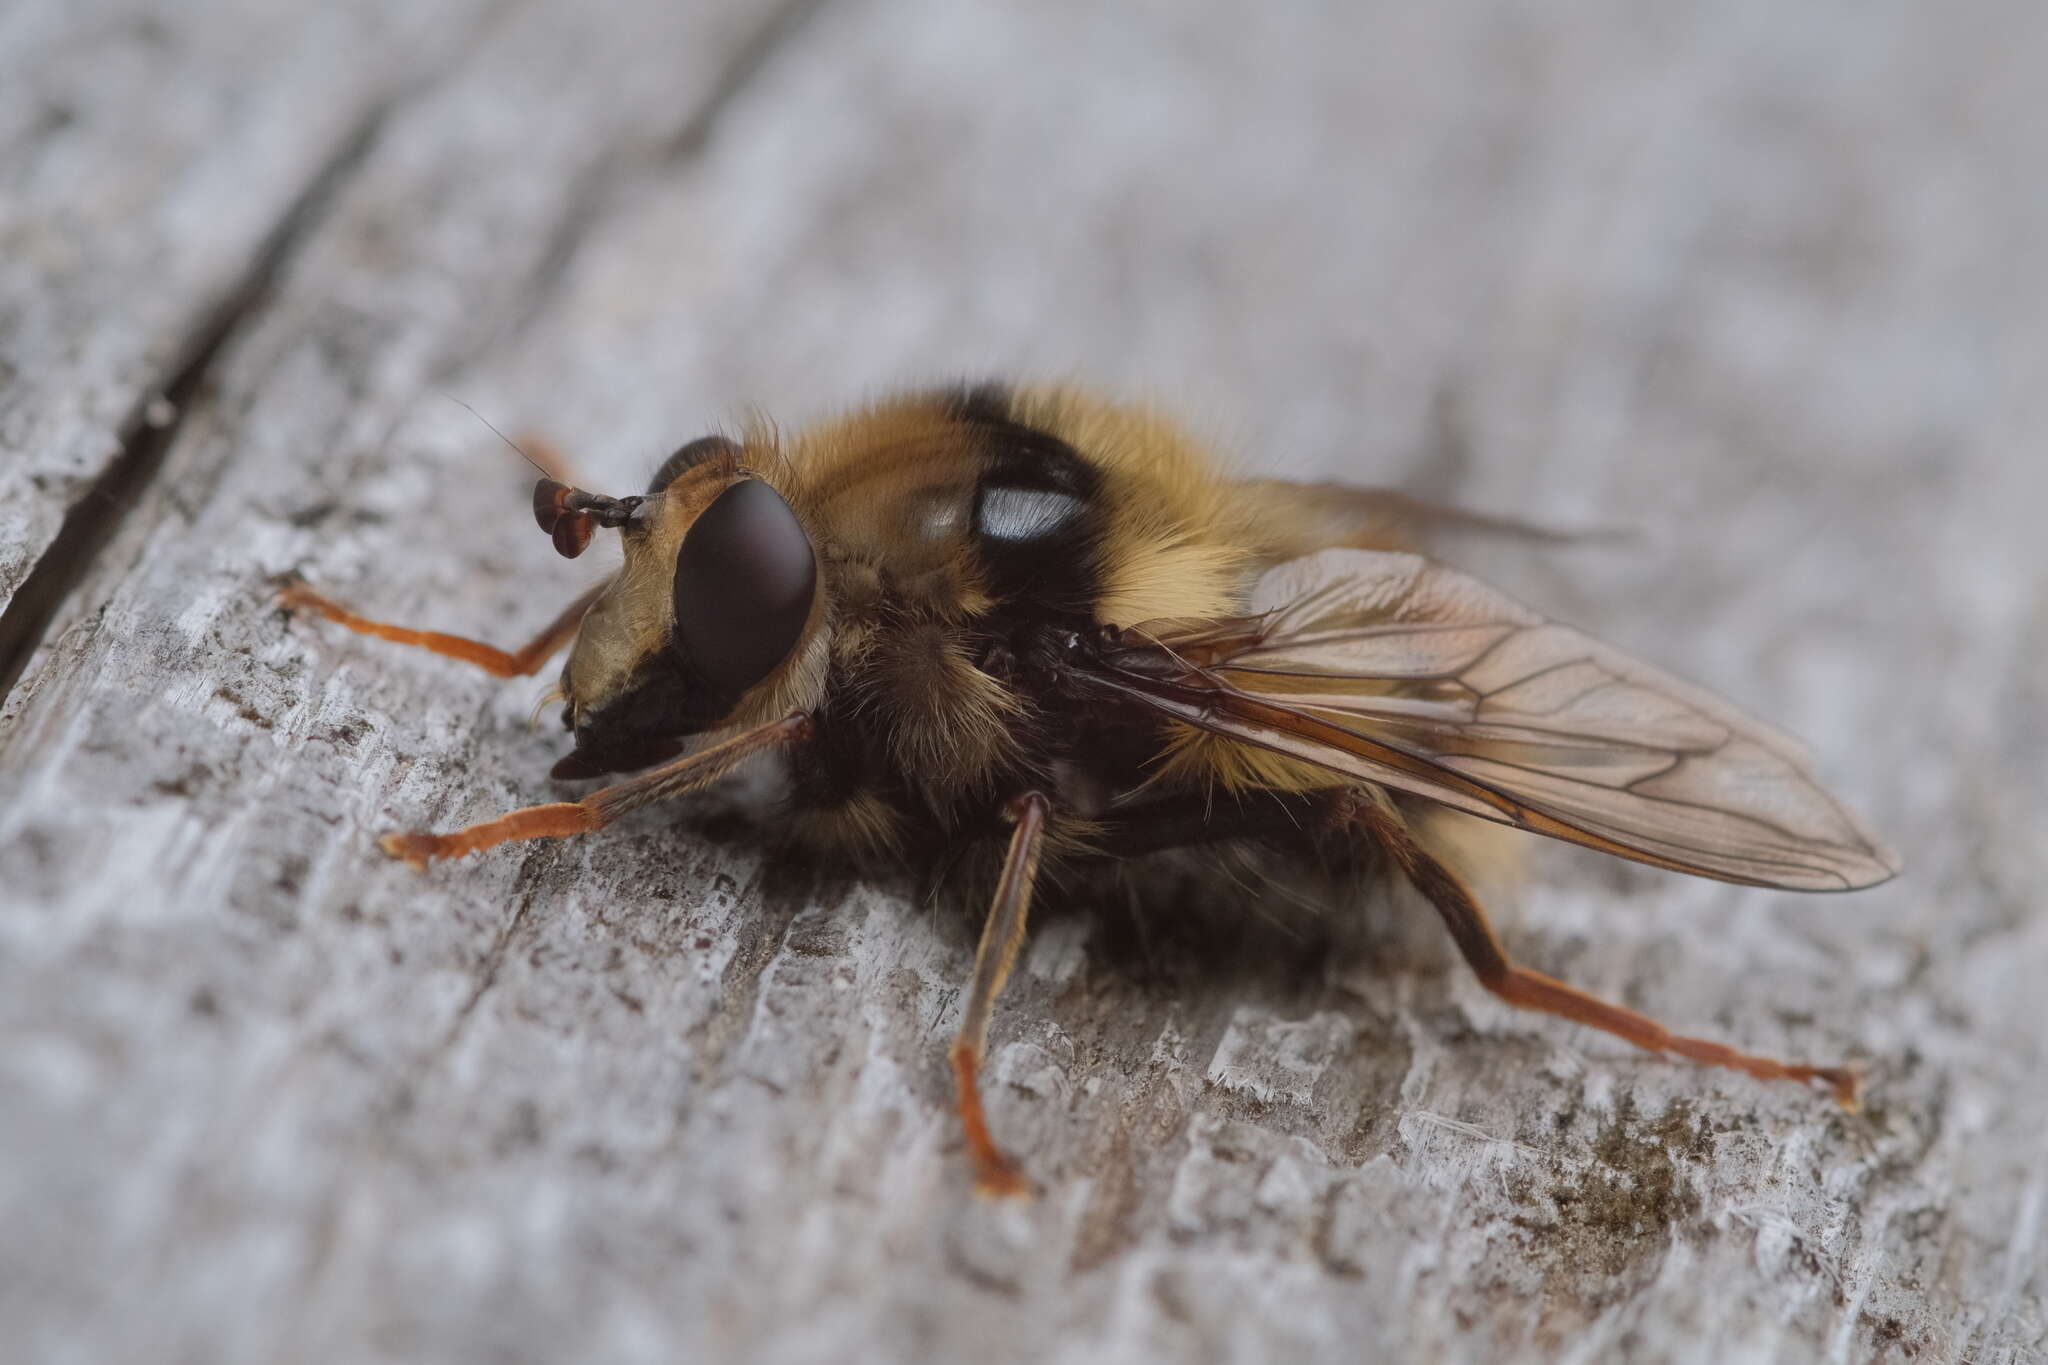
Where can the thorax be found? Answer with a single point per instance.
(956, 537)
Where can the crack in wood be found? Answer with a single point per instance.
(150, 430)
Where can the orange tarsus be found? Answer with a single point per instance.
(1526, 989)
(995, 1175)
(565, 819)
(497, 662)
(1532, 990)
(559, 820)
(1002, 935)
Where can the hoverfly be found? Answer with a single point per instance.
(1032, 620)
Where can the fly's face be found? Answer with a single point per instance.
(716, 594)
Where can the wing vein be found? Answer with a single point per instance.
(1625, 758)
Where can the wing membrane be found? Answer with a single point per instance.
(1397, 670)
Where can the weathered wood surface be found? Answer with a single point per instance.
(1763, 281)
(147, 194)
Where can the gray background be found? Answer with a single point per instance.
(1763, 282)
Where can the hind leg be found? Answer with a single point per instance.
(1531, 990)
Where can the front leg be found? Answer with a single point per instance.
(518, 663)
(561, 819)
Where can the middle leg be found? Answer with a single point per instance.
(1002, 935)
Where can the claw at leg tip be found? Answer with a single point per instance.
(1004, 1183)
(413, 849)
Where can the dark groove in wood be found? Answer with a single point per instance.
(95, 518)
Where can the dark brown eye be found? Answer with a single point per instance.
(743, 587)
(695, 453)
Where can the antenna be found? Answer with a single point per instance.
(544, 472)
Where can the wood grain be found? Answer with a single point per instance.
(156, 167)
(1760, 281)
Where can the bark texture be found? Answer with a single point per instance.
(1762, 282)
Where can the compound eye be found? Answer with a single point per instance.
(744, 582)
(695, 453)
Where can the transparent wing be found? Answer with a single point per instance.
(1396, 670)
